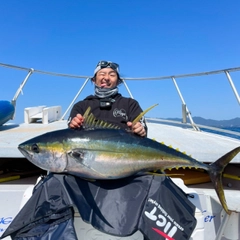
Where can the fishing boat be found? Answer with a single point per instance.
(205, 143)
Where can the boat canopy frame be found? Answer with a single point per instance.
(186, 113)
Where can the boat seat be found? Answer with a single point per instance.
(42, 113)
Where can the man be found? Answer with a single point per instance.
(107, 104)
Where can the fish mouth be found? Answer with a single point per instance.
(24, 152)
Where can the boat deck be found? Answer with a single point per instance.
(203, 146)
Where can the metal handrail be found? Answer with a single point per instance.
(189, 125)
(186, 112)
(128, 78)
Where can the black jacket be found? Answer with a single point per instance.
(117, 110)
(152, 204)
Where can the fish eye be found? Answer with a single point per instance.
(35, 148)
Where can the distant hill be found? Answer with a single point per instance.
(235, 122)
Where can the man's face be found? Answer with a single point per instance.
(106, 78)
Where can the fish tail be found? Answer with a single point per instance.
(216, 172)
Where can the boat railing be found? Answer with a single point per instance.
(216, 130)
(186, 114)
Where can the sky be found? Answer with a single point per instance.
(147, 38)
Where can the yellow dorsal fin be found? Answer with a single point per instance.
(91, 122)
(86, 114)
(137, 119)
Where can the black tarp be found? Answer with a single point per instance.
(152, 204)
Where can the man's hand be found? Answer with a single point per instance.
(77, 121)
(137, 128)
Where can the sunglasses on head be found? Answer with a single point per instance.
(104, 64)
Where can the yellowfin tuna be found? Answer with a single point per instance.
(109, 153)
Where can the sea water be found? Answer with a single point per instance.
(235, 132)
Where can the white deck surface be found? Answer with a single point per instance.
(203, 146)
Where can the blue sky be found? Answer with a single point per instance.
(147, 38)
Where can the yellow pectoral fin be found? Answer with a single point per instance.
(165, 174)
(89, 179)
(231, 176)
